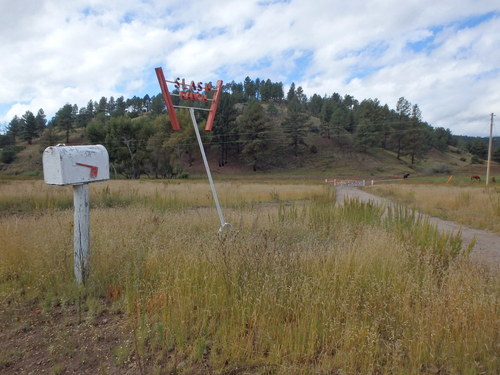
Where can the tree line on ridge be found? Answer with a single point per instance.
(256, 124)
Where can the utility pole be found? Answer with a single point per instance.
(490, 146)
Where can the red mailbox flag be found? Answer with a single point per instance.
(93, 169)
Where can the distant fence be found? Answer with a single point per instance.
(357, 182)
(348, 182)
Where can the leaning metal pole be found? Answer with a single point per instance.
(207, 168)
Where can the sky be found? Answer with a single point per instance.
(443, 55)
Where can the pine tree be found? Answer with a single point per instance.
(417, 136)
(400, 126)
(157, 105)
(295, 126)
(325, 115)
(255, 136)
(120, 107)
(14, 128)
(314, 106)
(29, 128)
(249, 87)
(225, 131)
(64, 119)
(41, 121)
(291, 93)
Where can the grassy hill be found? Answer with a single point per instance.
(330, 159)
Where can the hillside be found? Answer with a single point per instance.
(258, 129)
(485, 140)
(331, 159)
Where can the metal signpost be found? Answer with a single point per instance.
(196, 91)
(77, 166)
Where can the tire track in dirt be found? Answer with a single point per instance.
(486, 250)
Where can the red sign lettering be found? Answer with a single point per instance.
(193, 86)
(188, 95)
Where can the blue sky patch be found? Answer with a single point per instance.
(474, 21)
(263, 62)
(372, 50)
(212, 33)
(89, 11)
(428, 44)
(361, 72)
(248, 25)
(5, 107)
(266, 3)
(127, 18)
(221, 71)
(300, 66)
(488, 74)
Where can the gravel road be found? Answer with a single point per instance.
(486, 249)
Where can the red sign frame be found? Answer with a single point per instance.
(194, 94)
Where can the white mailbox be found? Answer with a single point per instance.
(75, 165)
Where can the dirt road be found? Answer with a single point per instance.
(486, 249)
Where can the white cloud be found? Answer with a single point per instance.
(58, 51)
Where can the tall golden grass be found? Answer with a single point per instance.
(296, 288)
(474, 206)
(36, 196)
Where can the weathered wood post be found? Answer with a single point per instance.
(81, 232)
(77, 166)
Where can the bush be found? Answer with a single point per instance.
(313, 149)
(439, 168)
(314, 129)
(6, 140)
(8, 154)
(476, 160)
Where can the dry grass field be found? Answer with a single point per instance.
(36, 196)
(300, 286)
(472, 205)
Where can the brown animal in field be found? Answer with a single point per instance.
(493, 179)
(475, 178)
(406, 175)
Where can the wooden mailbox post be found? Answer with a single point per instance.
(77, 166)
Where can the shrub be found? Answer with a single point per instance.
(6, 140)
(8, 154)
(314, 129)
(439, 168)
(476, 160)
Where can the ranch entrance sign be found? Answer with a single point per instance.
(190, 91)
(195, 91)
